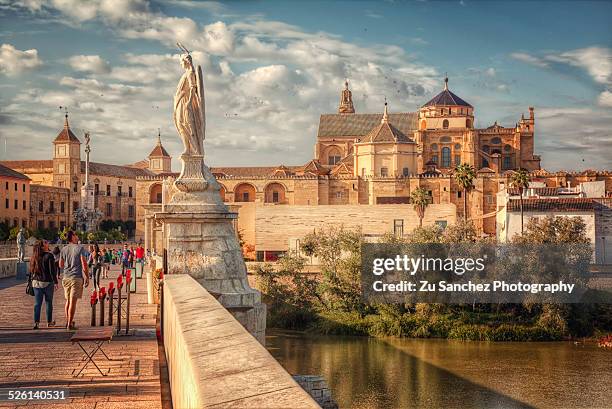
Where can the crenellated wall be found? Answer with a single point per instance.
(213, 361)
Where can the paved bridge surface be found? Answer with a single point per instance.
(46, 358)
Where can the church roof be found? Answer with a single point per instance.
(385, 132)
(358, 125)
(23, 165)
(159, 150)
(8, 172)
(314, 167)
(66, 134)
(446, 98)
(106, 169)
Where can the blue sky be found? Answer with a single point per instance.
(271, 68)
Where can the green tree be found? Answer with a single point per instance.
(464, 176)
(420, 199)
(4, 231)
(520, 180)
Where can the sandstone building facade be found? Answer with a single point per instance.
(364, 170)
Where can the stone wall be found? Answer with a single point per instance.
(214, 361)
(8, 267)
(276, 226)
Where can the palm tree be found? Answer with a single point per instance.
(420, 200)
(520, 180)
(464, 176)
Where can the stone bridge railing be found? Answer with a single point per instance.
(213, 361)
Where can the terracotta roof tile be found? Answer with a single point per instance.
(551, 205)
(358, 125)
(105, 169)
(8, 172)
(446, 98)
(245, 171)
(159, 150)
(21, 165)
(385, 132)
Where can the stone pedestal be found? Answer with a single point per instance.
(22, 271)
(200, 240)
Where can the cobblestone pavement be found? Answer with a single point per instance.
(46, 358)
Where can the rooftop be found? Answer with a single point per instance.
(8, 172)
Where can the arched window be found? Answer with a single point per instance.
(445, 124)
(275, 193)
(222, 193)
(507, 148)
(244, 192)
(446, 157)
(333, 155)
(406, 172)
(155, 194)
(507, 163)
(434, 147)
(496, 141)
(457, 146)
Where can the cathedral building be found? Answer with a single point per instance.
(365, 167)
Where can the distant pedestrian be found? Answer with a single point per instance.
(125, 259)
(96, 264)
(140, 254)
(75, 276)
(44, 281)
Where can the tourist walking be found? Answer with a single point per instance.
(140, 253)
(75, 276)
(125, 259)
(96, 261)
(44, 280)
(107, 262)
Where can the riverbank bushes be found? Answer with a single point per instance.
(330, 302)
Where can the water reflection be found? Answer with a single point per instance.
(404, 373)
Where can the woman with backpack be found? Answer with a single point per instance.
(43, 273)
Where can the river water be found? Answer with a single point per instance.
(428, 373)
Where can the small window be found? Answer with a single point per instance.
(109, 209)
(334, 159)
(97, 189)
(384, 172)
(23, 187)
(457, 160)
(275, 197)
(245, 196)
(24, 205)
(457, 146)
(131, 211)
(75, 206)
(15, 186)
(16, 204)
(445, 124)
(40, 206)
(446, 157)
(118, 190)
(442, 224)
(434, 147)
(6, 203)
(108, 190)
(507, 148)
(75, 187)
(62, 207)
(496, 141)
(434, 159)
(459, 192)
(41, 224)
(507, 164)
(398, 228)
(130, 192)
(406, 172)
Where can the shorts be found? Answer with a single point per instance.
(73, 288)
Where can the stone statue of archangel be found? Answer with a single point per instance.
(189, 116)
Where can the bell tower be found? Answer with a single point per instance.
(67, 159)
(346, 100)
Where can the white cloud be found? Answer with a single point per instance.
(596, 61)
(529, 59)
(89, 63)
(605, 99)
(13, 61)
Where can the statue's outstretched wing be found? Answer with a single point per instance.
(200, 85)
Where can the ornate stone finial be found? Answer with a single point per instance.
(385, 118)
(346, 100)
(445, 81)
